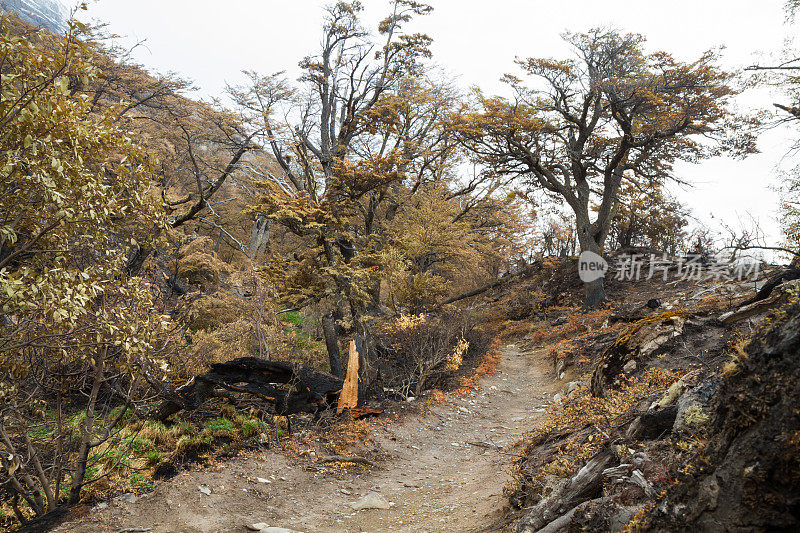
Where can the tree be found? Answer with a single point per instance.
(77, 197)
(610, 114)
(332, 170)
(649, 218)
(785, 76)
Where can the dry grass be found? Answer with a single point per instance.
(575, 431)
(209, 312)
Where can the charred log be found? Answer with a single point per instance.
(288, 387)
(763, 293)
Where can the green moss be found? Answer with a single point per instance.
(220, 427)
(292, 317)
(250, 427)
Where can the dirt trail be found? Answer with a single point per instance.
(435, 479)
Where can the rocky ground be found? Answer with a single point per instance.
(443, 469)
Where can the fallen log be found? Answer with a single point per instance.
(290, 388)
(563, 522)
(764, 301)
(771, 284)
(583, 486)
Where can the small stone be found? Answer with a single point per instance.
(373, 500)
(641, 460)
(410, 399)
(262, 480)
(128, 497)
(571, 386)
(205, 490)
(463, 410)
(258, 526)
(344, 491)
(630, 367)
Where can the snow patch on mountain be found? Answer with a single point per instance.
(49, 14)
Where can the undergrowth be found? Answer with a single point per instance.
(575, 431)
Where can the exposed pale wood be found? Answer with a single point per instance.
(348, 398)
(583, 486)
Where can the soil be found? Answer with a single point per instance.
(443, 469)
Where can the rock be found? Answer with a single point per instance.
(694, 400)
(128, 497)
(262, 480)
(262, 527)
(641, 460)
(49, 14)
(205, 490)
(653, 303)
(100, 506)
(557, 398)
(570, 387)
(630, 367)
(708, 495)
(410, 399)
(373, 500)
(621, 517)
(652, 424)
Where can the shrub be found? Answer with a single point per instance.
(422, 349)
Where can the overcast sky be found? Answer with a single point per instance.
(476, 41)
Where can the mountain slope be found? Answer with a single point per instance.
(49, 14)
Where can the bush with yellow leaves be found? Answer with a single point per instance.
(76, 329)
(422, 349)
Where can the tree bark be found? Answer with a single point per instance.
(332, 344)
(594, 291)
(594, 294)
(86, 433)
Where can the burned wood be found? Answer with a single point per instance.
(652, 424)
(770, 285)
(586, 484)
(332, 344)
(774, 293)
(563, 522)
(290, 388)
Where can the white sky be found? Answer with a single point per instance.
(476, 41)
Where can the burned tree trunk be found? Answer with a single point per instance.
(290, 388)
(332, 344)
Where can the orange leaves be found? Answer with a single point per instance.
(353, 179)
